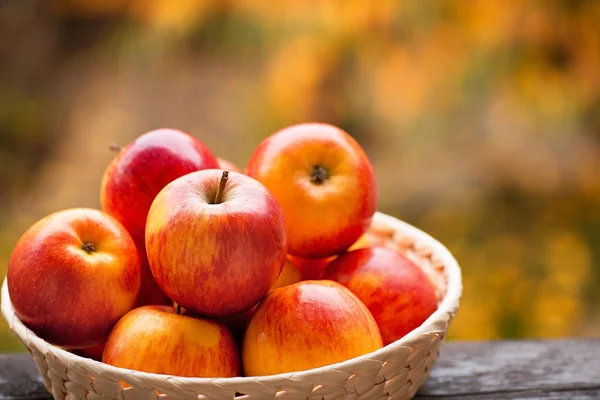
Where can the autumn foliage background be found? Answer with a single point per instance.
(482, 119)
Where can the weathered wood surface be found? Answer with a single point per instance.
(552, 369)
(19, 379)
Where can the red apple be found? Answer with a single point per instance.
(307, 325)
(314, 268)
(289, 275)
(397, 292)
(158, 340)
(228, 165)
(238, 322)
(94, 352)
(216, 242)
(150, 292)
(310, 268)
(134, 178)
(72, 275)
(362, 242)
(324, 183)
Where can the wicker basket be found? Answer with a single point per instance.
(395, 371)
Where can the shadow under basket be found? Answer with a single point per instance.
(395, 371)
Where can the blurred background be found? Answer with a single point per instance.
(482, 120)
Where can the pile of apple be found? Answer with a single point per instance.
(193, 268)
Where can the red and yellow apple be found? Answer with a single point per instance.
(361, 243)
(310, 268)
(134, 178)
(238, 322)
(158, 340)
(307, 325)
(228, 165)
(396, 291)
(150, 292)
(289, 275)
(324, 182)
(94, 352)
(216, 241)
(72, 275)
(314, 268)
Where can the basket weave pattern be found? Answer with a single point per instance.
(393, 372)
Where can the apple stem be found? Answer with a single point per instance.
(319, 174)
(222, 183)
(115, 147)
(178, 308)
(88, 247)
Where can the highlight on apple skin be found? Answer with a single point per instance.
(72, 275)
(324, 182)
(396, 291)
(307, 325)
(156, 339)
(134, 178)
(216, 241)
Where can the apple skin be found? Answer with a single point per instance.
(134, 178)
(150, 292)
(65, 294)
(140, 171)
(94, 352)
(289, 275)
(156, 339)
(238, 322)
(396, 291)
(314, 268)
(307, 325)
(362, 242)
(310, 268)
(216, 259)
(228, 165)
(324, 182)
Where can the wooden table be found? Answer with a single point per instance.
(553, 369)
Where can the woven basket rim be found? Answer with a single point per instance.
(448, 305)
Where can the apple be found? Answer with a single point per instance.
(72, 275)
(134, 178)
(314, 268)
(289, 275)
(158, 340)
(396, 291)
(140, 171)
(307, 325)
(150, 292)
(228, 165)
(362, 242)
(238, 322)
(94, 352)
(324, 182)
(310, 268)
(216, 241)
